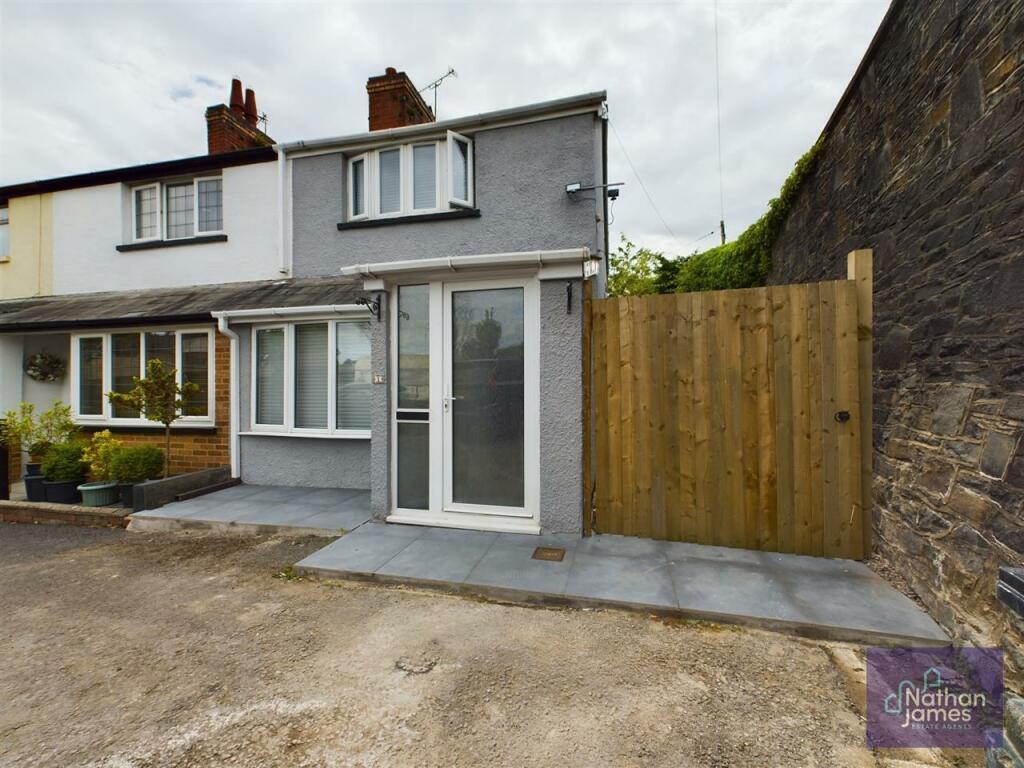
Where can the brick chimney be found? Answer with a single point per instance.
(394, 101)
(230, 128)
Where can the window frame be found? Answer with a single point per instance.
(443, 175)
(107, 418)
(162, 211)
(453, 201)
(6, 216)
(289, 428)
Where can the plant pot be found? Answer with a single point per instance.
(127, 495)
(99, 494)
(62, 491)
(33, 468)
(34, 488)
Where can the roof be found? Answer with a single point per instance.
(171, 305)
(133, 173)
(530, 112)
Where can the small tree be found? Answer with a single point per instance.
(631, 270)
(158, 398)
(36, 434)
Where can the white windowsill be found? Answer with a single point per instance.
(135, 423)
(314, 435)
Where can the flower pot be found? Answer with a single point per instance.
(33, 468)
(62, 491)
(99, 494)
(127, 495)
(34, 488)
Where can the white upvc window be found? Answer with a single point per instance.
(311, 378)
(109, 361)
(410, 179)
(5, 234)
(175, 210)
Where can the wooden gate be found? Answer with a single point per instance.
(736, 418)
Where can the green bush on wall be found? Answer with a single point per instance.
(136, 464)
(747, 260)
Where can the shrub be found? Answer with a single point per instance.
(136, 464)
(36, 435)
(631, 269)
(100, 455)
(65, 461)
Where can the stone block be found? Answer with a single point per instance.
(950, 408)
(1014, 408)
(997, 453)
(962, 450)
(970, 505)
(894, 348)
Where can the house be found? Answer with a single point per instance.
(423, 339)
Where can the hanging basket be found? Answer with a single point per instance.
(44, 367)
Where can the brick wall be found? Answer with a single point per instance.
(923, 164)
(395, 102)
(14, 466)
(197, 449)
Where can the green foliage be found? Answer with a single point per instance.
(158, 398)
(65, 461)
(746, 261)
(136, 463)
(631, 270)
(100, 453)
(36, 435)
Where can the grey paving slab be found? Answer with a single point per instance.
(264, 514)
(509, 565)
(233, 493)
(565, 541)
(676, 551)
(641, 580)
(335, 496)
(331, 520)
(621, 546)
(457, 535)
(358, 552)
(437, 559)
(735, 589)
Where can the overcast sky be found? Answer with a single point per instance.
(86, 86)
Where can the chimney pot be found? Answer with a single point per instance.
(390, 71)
(236, 103)
(251, 114)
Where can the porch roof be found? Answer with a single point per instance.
(190, 304)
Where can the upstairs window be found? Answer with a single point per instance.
(416, 178)
(176, 210)
(5, 235)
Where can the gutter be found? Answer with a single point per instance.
(455, 263)
(282, 245)
(583, 102)
(319, 309)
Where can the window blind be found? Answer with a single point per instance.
(358, 172)
(270, 376)
(90, 377)
(180, 210)
(390, 181)
(352, 357)
(195, 368)
(311, 376)
(424, 176)
(147, 222)
(211, 210)
(125, 368)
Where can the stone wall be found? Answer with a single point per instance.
(923, 163)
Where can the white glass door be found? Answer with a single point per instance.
(466, 416)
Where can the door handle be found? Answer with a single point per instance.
(448, 399)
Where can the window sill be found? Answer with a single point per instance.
(150, 244)
(132, 425)
(313, 435)
(456, 213)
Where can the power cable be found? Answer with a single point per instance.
(639, 180)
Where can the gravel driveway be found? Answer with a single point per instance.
(187, 649)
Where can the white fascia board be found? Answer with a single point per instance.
(275, 313)
(539, 259)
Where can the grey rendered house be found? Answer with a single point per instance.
(444, 370)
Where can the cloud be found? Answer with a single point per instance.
(99, 98)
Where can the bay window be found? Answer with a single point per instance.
(312, 378)
(110, 361)
(177, 210)
(416, 178)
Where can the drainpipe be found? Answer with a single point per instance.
(282, 197)
(235, 394)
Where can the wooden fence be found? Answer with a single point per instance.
(736, 418)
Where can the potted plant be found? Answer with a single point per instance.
(64, 468)
(36, 435)
(135, 464)
(158, 398)
(99, 454)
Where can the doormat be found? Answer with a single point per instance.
(549, 553)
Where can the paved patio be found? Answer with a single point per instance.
(263, 509)
(836, 599)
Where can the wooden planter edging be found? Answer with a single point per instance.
(42, 513)
(153, 494)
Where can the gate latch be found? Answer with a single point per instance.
(842, 416)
